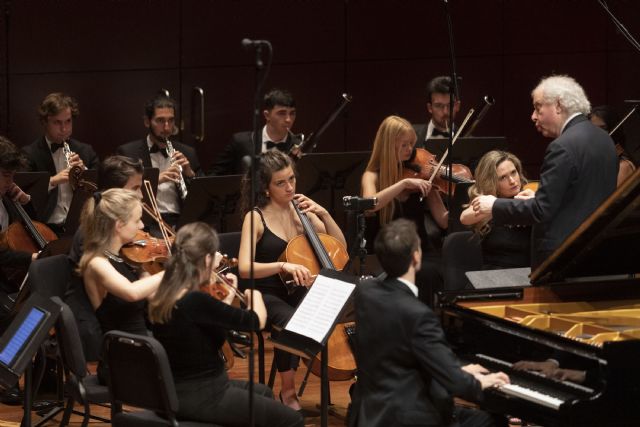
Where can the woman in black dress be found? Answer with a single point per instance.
(192, 325)
(275, 222)
(499, 174)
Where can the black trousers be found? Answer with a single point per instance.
(221, 401)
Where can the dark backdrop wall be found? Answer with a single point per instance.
(112, 55)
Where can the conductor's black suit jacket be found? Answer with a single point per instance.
(39, 158)
(579, 172)
(406, 371)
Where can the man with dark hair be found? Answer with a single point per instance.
(159, 119)
(412, 376)
(440, 117)
(279, 111)
(121, 172)
(56, 113)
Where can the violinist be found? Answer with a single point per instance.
(410, 198)
(56, 113)
(499, 174)
(440, 115)
(11, 160)
(275, 222)
(191, 325)
(110, 220)
(605, 118)
(279, 112)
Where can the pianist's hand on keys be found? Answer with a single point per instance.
(486, 378)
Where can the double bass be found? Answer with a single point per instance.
(316, 251)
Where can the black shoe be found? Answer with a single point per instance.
(12, 397)
(238, 338)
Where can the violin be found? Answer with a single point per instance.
(219, 289)
(147, 252)
(422, 164)
(315, 251)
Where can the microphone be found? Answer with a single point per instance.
(247, 43)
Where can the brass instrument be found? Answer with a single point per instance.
(181, 184)
(306, 146)
(488, 102)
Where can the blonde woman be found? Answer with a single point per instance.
(499, 174)
(409, 198)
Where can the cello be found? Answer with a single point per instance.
(316, 251)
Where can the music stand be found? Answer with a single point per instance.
(20, 342)
(308, 330)
(328, 177)
(72, 222)
(214, 200)
(35, 184)
(467, 150)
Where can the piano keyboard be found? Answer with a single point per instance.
(533, 386)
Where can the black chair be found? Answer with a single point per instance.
(140, 376)
(230, 245)
(461, 252)
(80, 386)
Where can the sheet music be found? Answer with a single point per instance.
(320, 307)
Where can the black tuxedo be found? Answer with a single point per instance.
(39, 158)
(578, 173)
(139, 149)
(407, 374)
(231, 161)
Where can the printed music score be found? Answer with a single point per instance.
(317, 313)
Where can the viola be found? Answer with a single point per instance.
(147, 252)
(422, 164)
(316, 251)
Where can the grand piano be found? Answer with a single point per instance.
(581, 309)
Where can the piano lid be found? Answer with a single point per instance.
(606, 246)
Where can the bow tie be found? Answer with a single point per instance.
(437, 132)
(155, 149)
(55, 147)
(282, 146)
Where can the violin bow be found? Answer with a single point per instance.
(455, 138)
(154, 205)
(624, 119)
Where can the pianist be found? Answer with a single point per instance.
(579, 170)
(412, 376)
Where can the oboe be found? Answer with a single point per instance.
(182, 186)
(66, 150)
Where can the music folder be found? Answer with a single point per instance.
(312, 323)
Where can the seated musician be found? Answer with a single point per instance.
(11, 160)
(406, 197)
(56, 113)
(275, 222)
(191, 325)
(412, 376)
(499, 174)
(605, 118)
(110, 220)
(279, 111)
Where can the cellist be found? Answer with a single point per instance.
(409, 198)
(275, 222)
(11, 160)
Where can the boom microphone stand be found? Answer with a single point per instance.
(453, 95)
(261, 76)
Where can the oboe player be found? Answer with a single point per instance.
(159, 119)
(56, 113)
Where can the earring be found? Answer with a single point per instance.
(266, 193)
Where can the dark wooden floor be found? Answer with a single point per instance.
(12, 415)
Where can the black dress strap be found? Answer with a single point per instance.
(264, 224)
